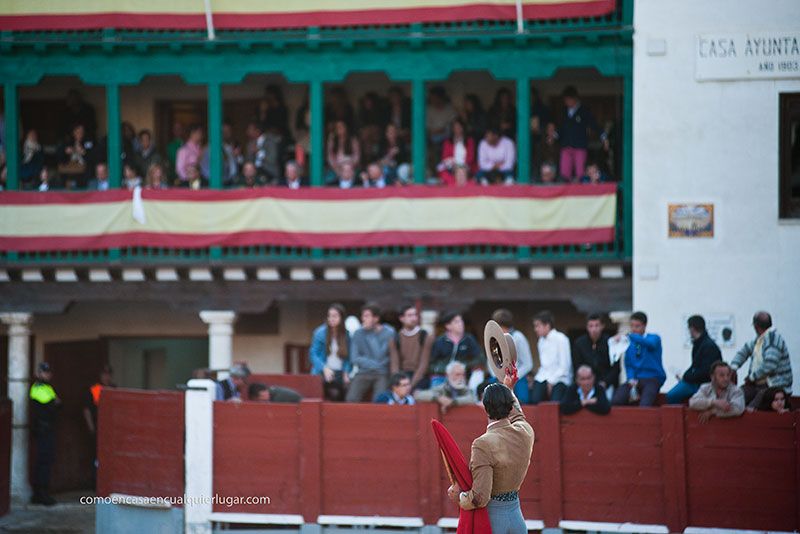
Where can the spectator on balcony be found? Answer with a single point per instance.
(130, 177)
(178, 139)
(454, 345)
(548, 174)
(770, 365)
(473, 117)
(346, 179)
(399, 111)
(770, 400)
(250, 176)
(100, 180)
(461, 176)
(457, 151)
(540, 121)
(496, 158)
(343, 148)
(232, 156)
(643, 366)
(394, 159)
(555, 361)
(373, 177)
(505, 319)
(260, 392)
(370, 352)
(594, 175)
(453, 391)
(329, 354)
(32, 160)
(504, 113)
(592, 349)
(189, 155)
(263, 149)
(76, 158)
(720, 397)
(194, 178)
(585, 393)
(146, 155)
(46, 179)
(399, 393)
(548, 150)
(704, 353)
(338, 108)
(3, 176)
(439, 116)
(410, 353)
(573, 135)
(78, 111)
(130, 143)
(273, 113)
(156, 177)
(228, 388)
(372, 120)
(293, 175)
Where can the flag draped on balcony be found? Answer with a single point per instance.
(266, 14)
(314, 217)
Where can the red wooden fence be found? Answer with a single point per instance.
(640, 465)
(140, 443)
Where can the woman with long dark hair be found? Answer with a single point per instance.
(330, 354)
(342, 147)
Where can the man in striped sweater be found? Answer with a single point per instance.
(770, 365)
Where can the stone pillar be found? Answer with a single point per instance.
(18, 386)
(427, 320)
(220, 339)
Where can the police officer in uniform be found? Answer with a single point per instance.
(44, 411)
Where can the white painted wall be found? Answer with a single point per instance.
(710, 142)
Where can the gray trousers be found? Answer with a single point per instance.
(506, 517)
(363, 382)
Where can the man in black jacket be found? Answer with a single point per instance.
(592, 349)
(704, 353)
(584, 393)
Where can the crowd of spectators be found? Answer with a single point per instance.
(596, 371)
(367, 145)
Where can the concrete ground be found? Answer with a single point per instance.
(66, 517)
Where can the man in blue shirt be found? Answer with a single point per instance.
(400, 392)
(642, 364)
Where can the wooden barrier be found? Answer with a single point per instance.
(140, 443)
(655, 466)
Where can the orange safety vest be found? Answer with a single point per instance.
(95, 390)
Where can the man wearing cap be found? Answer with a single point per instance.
(228, 389)
(44, 410)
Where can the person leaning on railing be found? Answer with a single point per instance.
(330, 354)
(720, 397)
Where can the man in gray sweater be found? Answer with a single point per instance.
(369, 352)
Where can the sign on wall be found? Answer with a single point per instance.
(691, 220)
(720, 328)
(742, 56)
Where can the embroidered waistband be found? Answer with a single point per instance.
(507, 496)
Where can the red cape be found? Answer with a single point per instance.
(469, 521)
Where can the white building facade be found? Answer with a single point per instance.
(708, 80)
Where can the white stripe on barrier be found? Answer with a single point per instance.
(452, 522)
(373, 521)
(613, 527)
(257, 519)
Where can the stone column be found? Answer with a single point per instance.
(427, 320)
(220, 339)
(18, 386)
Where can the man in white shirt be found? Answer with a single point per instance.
(555, 361)
(496, 158)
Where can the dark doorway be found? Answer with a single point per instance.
(76, 366)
